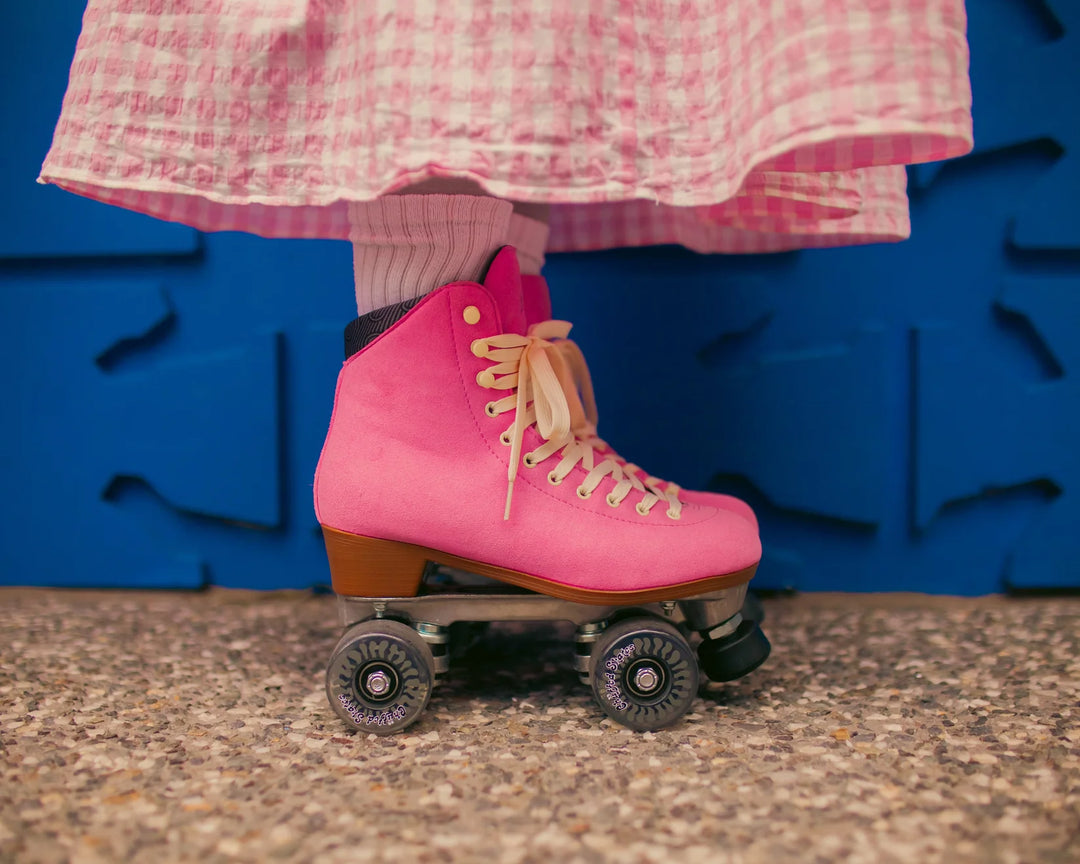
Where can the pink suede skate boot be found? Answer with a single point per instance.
(537, 301)
(451, 443)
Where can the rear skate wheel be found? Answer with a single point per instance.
(643, 673)
(380, 676)
(735, 655)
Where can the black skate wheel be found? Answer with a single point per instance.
(643, 673)
(736, 655)
(380, 676)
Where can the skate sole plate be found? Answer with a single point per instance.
(370, 567)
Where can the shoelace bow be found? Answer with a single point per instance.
(545, 394)
(585, 429)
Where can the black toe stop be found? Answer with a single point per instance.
(733, 656)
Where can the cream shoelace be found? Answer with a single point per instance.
(544, 393)
(585, 428)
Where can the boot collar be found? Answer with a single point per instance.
(502, 281)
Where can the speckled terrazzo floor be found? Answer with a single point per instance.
(160, 727)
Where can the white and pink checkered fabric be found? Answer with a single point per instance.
(723, 125)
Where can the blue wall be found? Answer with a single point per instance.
(903, 417)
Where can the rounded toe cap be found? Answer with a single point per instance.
(728, 503)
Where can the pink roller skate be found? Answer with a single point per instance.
(452, 443)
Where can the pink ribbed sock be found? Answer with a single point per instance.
(529, 237)
(407, 245)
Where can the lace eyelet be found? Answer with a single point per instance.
(554, 479)
(505, 438)
(528, 460)
(583, 493)
(641, 511)
(478, 348)
(611, 501)
(489, 409)
(673, 515)
(484, 378)
(471, 315)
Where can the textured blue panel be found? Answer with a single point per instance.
(1004, 425)
(216, 412)
(1016, 430)
(1033, 82)
(822, 390)
(99, 417)
(902, 417)
(36, 221)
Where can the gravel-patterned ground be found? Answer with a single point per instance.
(160, 727)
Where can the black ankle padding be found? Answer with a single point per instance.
(360, 332)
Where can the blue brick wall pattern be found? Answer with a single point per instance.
(903, 417)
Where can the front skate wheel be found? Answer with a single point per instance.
(380, 676)
(643, 673)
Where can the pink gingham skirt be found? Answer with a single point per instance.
(722, 125)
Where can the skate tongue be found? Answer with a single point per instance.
(503, 282)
